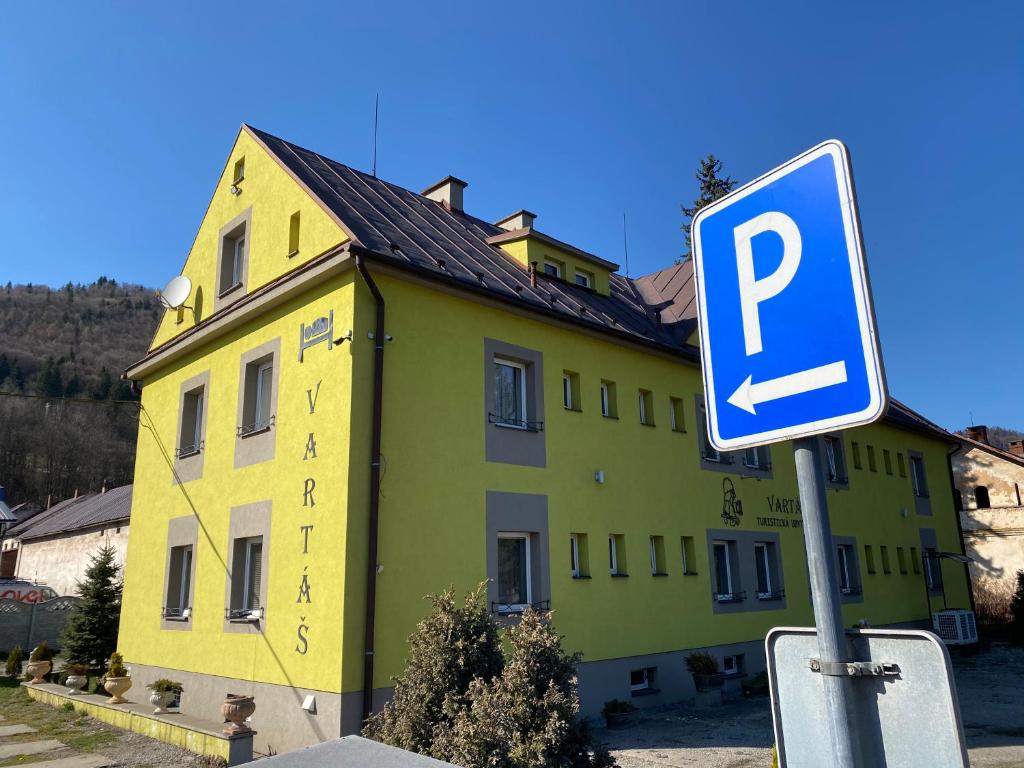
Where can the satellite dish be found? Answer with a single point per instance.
(176, 292)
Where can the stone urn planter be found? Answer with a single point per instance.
(161, 700)
(38, 670)
(236, 709)
(117, 687)
(75, 684)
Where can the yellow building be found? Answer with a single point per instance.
(372, 395)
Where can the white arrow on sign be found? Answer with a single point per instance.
(748, 395)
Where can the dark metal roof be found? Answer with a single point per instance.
(412, 231)
(398, 226)
(88, 511)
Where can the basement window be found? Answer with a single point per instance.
(732, 665)
(641, 681)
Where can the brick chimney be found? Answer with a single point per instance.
(1016, 447)
(448, 192)
(979, 433)
(518, 220)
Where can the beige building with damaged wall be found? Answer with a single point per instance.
(56, 546)
(989, 488)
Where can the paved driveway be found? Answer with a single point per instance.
(990, 685)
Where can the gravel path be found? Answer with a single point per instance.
(739, 734)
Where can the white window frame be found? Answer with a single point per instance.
(833, 458)
(519, 607)
(844, 569)
(567, 391)
(247, 586)
(574, 543)
(643, 407)
(613, 555)
(583, 279)
(185, 582)
(605, 410)
(920, 484)
(654, 555)
(645, 685)
(752, 458)
(673, 421)
(734, 660)
(260, 419)
(761, 550)
(524, 417)
(682, 548)
(728, 569)
(237, 259)
(552, 265)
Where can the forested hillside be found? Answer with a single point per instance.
(67, 421)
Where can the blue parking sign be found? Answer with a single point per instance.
(787, 329)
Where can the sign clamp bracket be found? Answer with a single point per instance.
(855, 668)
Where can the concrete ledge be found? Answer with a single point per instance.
(191, 733)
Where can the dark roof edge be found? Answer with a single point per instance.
(445, 180)
(997, 452)
(689, 354)
(107, 523)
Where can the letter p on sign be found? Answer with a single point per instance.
(752, 291)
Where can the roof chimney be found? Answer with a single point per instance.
(1016, 447)
(519, 220)
(979, 433)
(448, 192)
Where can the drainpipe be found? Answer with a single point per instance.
(371, 555)
(959, 526)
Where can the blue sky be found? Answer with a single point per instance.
(117, 118)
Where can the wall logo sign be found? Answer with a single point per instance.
(732, 507)
(321, 329)
(785, 513)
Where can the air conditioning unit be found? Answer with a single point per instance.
(955, 627)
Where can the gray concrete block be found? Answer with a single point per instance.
(15, 730)
(29, 748)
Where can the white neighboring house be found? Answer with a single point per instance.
(56, 545)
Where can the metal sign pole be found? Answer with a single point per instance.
(825, 597)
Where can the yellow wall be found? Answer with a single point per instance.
(529, 250)
(271, 657)
(433, 507)
(274, 197)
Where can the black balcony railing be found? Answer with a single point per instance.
(189, 450)
(853, 589)
(243, 614)
(176, 613)
(730, 597)
(502, 421)
(775, 594)
(504, 609)
(259, 426)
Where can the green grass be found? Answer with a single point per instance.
(75, 729)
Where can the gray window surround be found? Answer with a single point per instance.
(731, 462)
(509, 445)
(922, 504)
(743, 570)
(181, 532)
(248, 521)
(929, 540)
(842, 483)
(256, 447)
(518, 513)
(853, 564)
(190, 467)
(239, 225)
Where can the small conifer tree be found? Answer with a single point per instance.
(14, 659)
(711, 188)
(90, 635)
(449, 649)
(527, 716)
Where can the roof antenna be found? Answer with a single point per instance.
(625, 245)
(376, 104)
(971, 413)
